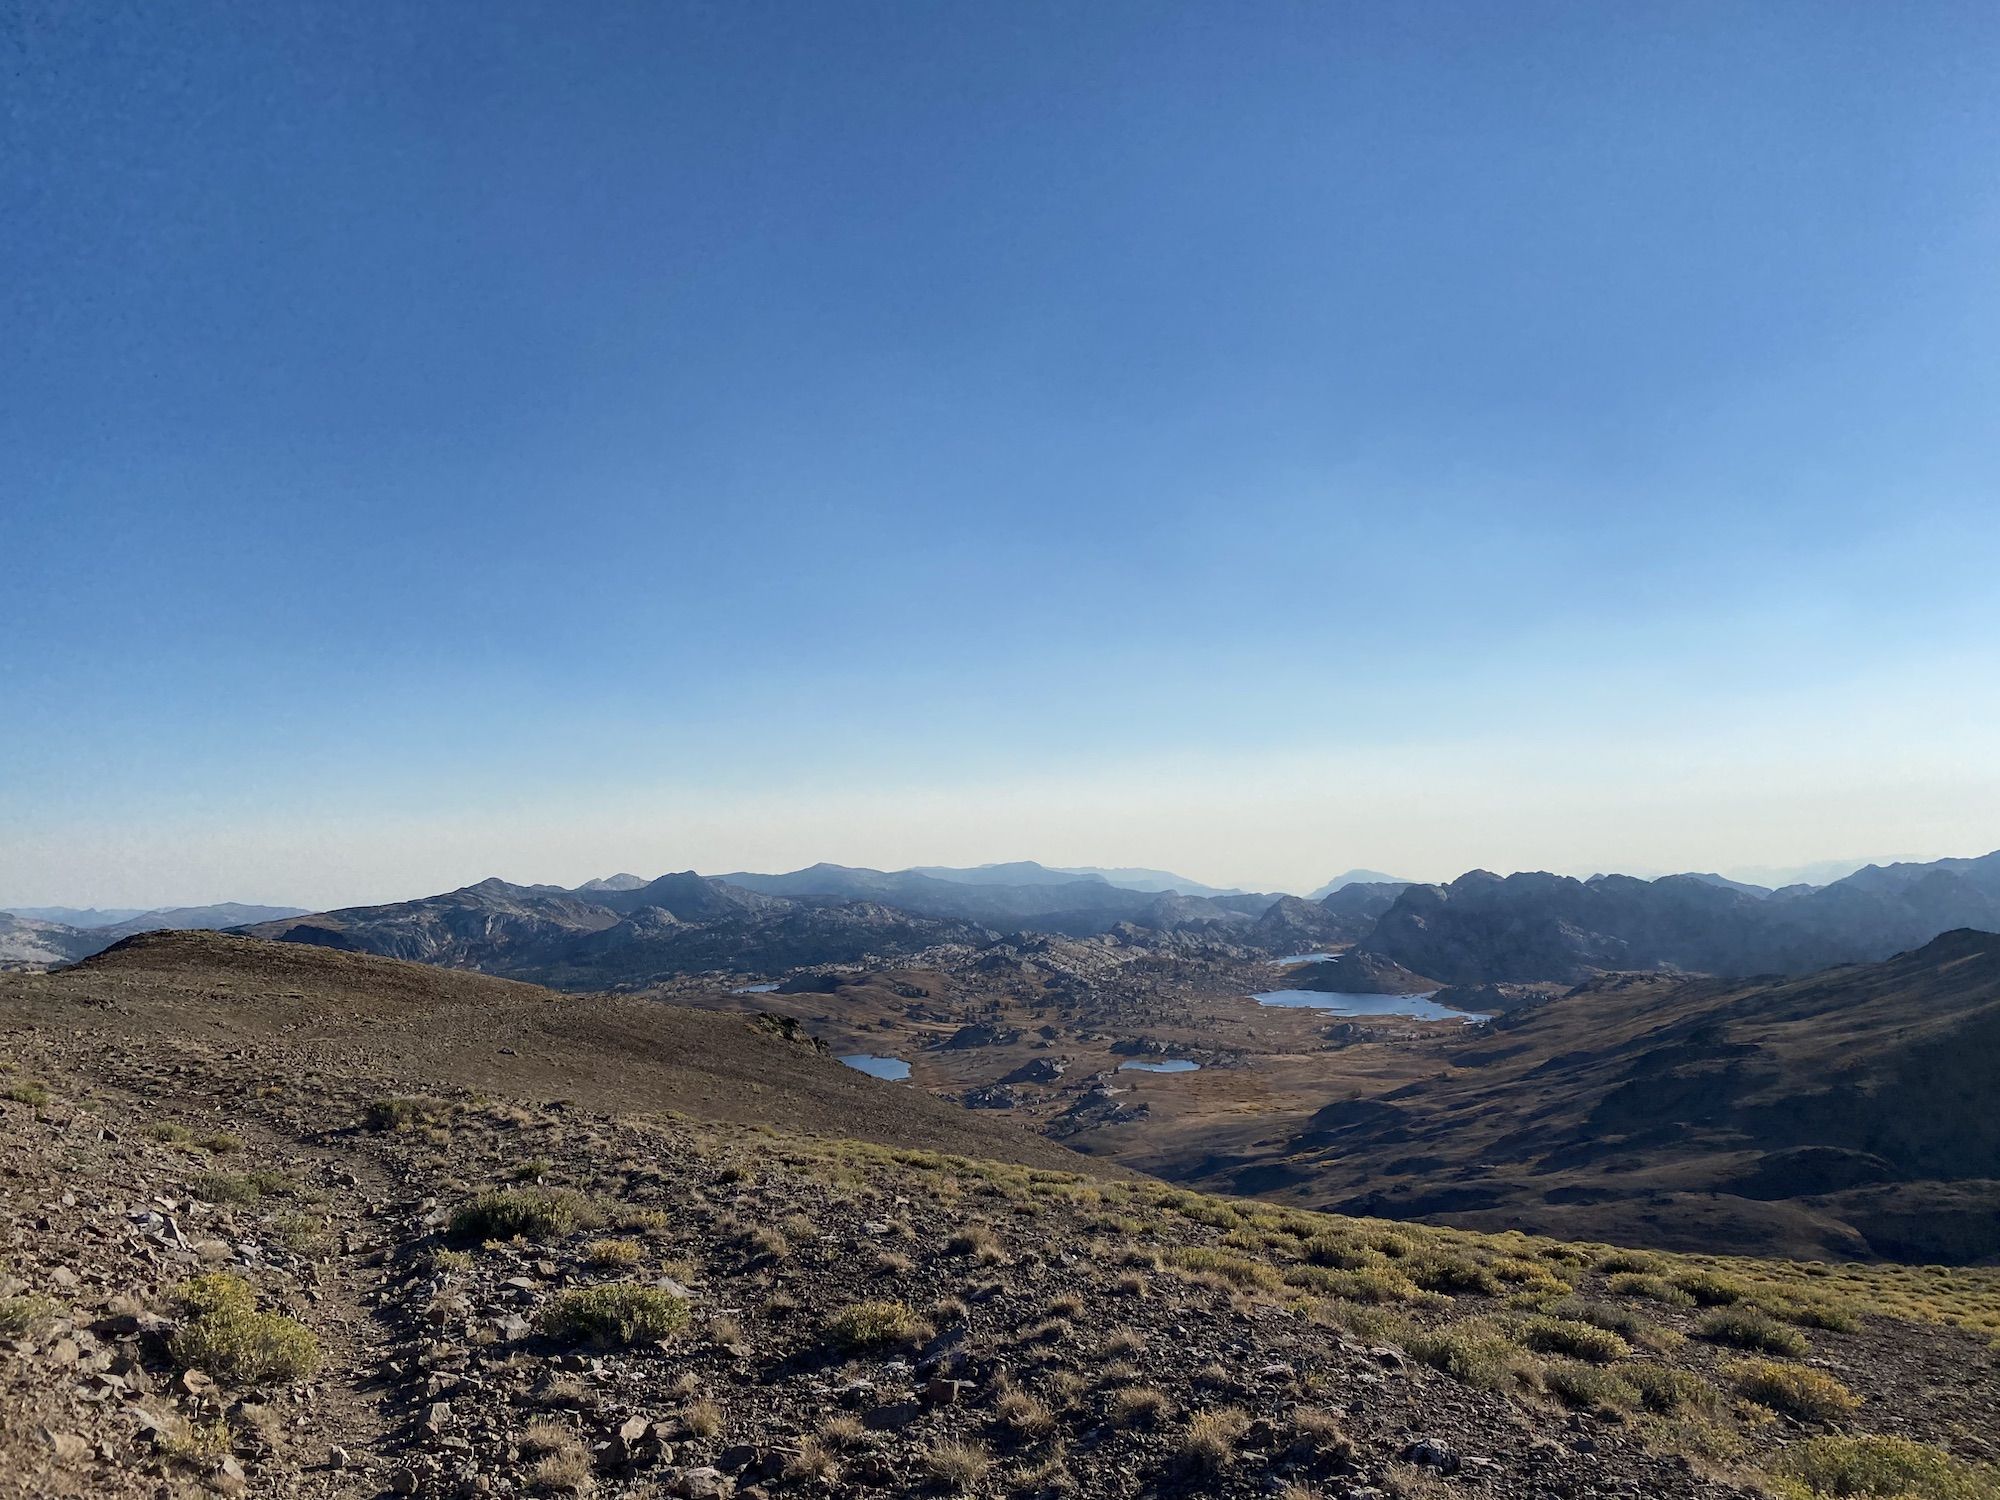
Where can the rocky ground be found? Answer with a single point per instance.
(519, 1293)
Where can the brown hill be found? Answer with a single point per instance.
(402, 1025)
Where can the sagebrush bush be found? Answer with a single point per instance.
(1474, 1351)
(1639, 1261)
(1710, 1288)
(614, 1315)
(530, 1214)
(1664, 1389)
(240, 1187)
(1796, 1390)
(1369, 1284)
(24, 1314)
(1591, 1387)
(1743, 1327)
(1451, 1274)
(614, 1254)
(404, 1112)
(876, 1324)
(1338, 1251)
(1652, 1288)
(226, 1337)
(1578, 1340)
(1237, 1270)
(1881, 1466)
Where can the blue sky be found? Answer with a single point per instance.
(1256, 439)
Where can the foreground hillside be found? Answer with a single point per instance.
(282, 1221)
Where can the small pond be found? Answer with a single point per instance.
(1414, 1007)
(756, 989)
(1304, 958)
(892, 1068)
(1168, 1065)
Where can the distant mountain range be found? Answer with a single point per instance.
(1354, 877)
(1479, 928)
(1538, 927)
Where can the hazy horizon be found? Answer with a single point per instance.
(1250, 441)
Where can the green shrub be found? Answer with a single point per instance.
(876, 1324)
(1238, 1270)
(218, 1291)
(1451, 1274)
(1796, 1390)
(1815, 1312)
(1337, 1250)
(1474, 1351)
(240, 1187)
(1606, 1315)
(20, 1315)
(1750, 1328)
(614, 1315)
(1652, 1288)
(1369, 1284)
(1591, 1387)
(28, 1092)
(1628, 1261)
(1371, 1324)
(301, 1234)
(1578, 1340)
(226, 1337)
(1710, 1288)
(1882, 1466)
(404, 1112)
(220, 1142)
(1664, 1389)
(530, 1214)
(1529, 1275)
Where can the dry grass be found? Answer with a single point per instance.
(843, 1433)
(815, 1462)
(1212, 1435)
(702, 1419)
(1023, 1415)
(1139, 1406)
(956, 1465)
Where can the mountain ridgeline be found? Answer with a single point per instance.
(1537, 927)
(1479, 929)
